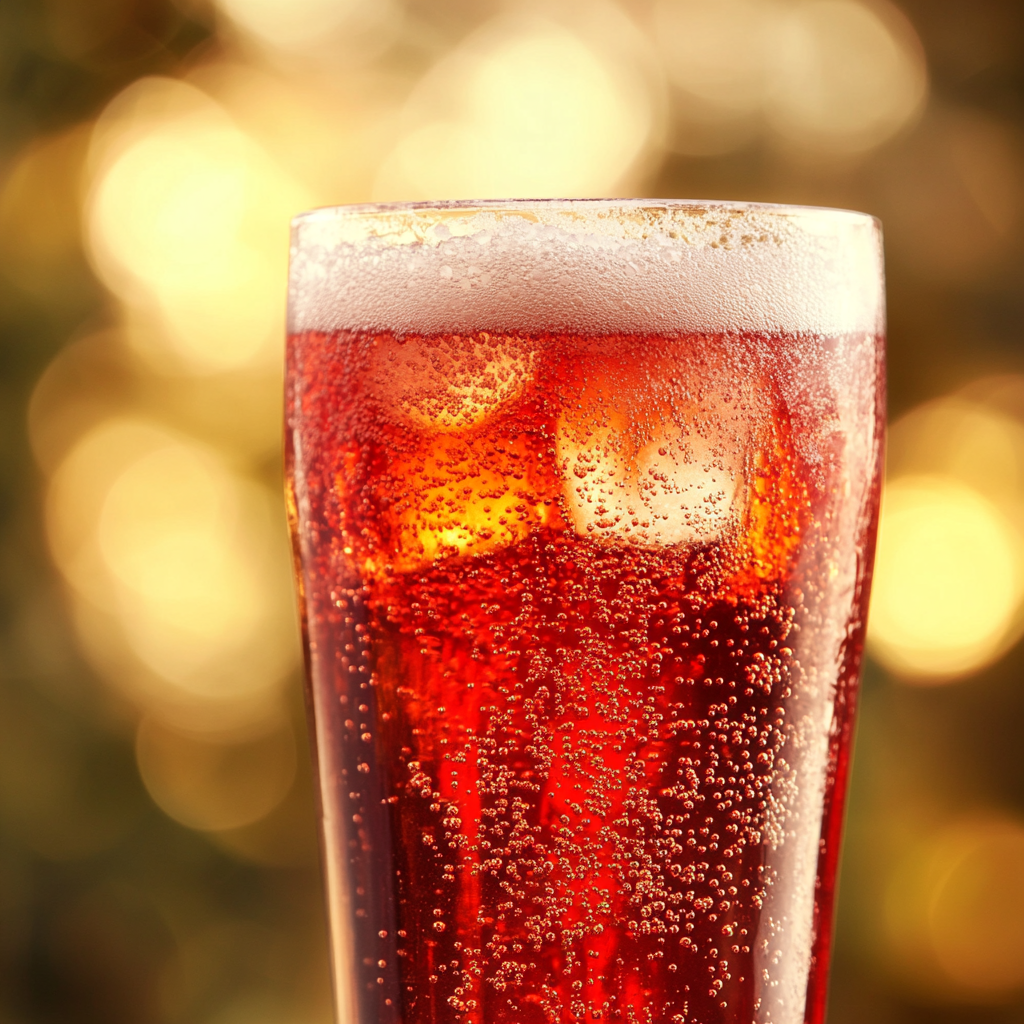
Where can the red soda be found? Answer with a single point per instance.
(584, 617)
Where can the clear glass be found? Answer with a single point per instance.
(583, 497)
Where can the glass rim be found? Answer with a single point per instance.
(755, 265)
(324, 213)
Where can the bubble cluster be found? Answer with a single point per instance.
(584, 615)
(593, 815)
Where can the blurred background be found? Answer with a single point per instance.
(157, 846)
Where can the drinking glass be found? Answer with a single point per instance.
(583, 497)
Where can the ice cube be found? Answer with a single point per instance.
(449, 382)
(661, 476)
(469, 493)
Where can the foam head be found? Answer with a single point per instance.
(586, 266)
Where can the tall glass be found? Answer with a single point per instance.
(583, 497)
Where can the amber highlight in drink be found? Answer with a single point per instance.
(584, 615)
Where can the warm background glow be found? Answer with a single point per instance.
(186, 222)
(157, 838)
(949, 576)
(954, 911)
(528, 107)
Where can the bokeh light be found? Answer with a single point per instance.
(523, 107)
(188, 217)
(166, 532)
(305, 26)
(948, 582)
(717, 52)
(212, 785)
(294, 24)
(180, 570)
(955, 911)
(949, 579)
(968, 436)
(834, 77)
(313, 129)
(845, 76)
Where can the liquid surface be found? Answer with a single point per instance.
(584, 618)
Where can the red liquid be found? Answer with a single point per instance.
(584, 620)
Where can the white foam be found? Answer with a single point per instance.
(592, 267)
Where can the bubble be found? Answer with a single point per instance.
(450, 384)
(657, 470)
